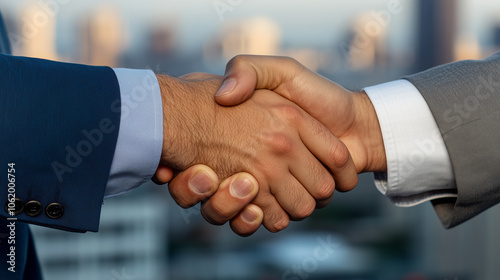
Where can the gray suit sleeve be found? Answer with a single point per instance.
(464, 98)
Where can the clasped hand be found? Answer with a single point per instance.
(293, 139)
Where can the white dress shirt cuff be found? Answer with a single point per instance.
(418, 165)
(140, 138)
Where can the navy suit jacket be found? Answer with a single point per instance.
(59, 124)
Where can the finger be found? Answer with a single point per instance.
(293, 197)
(286, 77)
(246, 73)
(330, 151)
(233, 195)
(163, 175)
(247, 221)
(275, 218)
(193, 185)
(323, 203)
(313, 175)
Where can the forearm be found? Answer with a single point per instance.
(188, 118)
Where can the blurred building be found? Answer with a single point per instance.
(312, 59)
(37, 32)
(467, 47)
(162, 51)
(102, 37)
(495, 39)
(141, 238)
(496, 35)
(437, 32)
(366, 48)
(163, 40)
(131, 242)
(257, 36)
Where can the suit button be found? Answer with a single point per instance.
(54, 210)
(33, 208)
(14, 208)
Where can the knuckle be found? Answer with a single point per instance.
(325, 190)
(290, 61)
(292, 64)
(281, 143)
(238, 61)
(280, 224)
(220, 212)
(305, 209)
(339, 155)
(350, 185)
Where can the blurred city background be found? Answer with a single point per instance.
(361, 235)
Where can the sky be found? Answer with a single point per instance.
(319, 23)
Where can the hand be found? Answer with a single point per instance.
(245, 218)
(199, 182)
(348, 115)
(267, 137)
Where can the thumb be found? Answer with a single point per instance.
(239, 83)
(193, 185)
(247, 73)
(163, 175)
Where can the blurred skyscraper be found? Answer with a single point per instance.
(496, 36)
(257, 36)
(467, 47)
(102, 37)
(37, 32)
(161, 51)
(131, 242)
(437, 32)
(367, 43)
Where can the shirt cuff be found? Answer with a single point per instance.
(140, 138)
(418, 165)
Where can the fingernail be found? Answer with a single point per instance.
(249, 216)
(200, 183)
(241, 187)
(226, 87)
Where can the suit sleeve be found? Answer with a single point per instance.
(59, 126)
(464, 98)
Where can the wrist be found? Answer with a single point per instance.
(179, 126)
(370, 135)
(190, 127)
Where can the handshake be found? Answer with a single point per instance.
(277, 145)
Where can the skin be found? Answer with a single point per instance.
(347, 114)
(269, 137)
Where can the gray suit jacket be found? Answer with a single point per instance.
(464, 98)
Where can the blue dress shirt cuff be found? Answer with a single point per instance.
(140, 138)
